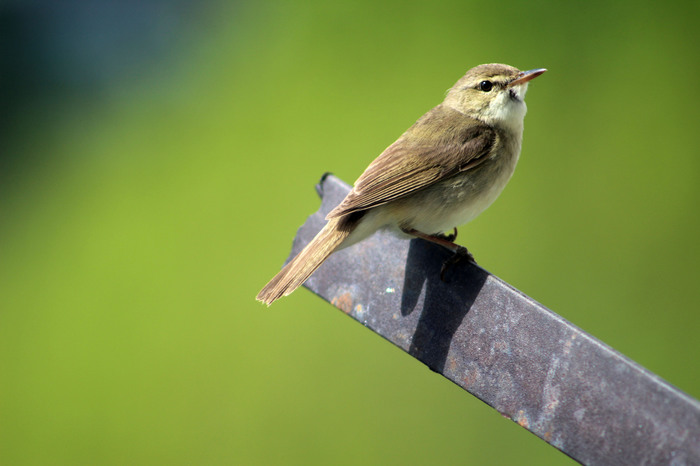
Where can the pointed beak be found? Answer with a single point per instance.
(525, 76)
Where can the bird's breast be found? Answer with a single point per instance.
(459, 199)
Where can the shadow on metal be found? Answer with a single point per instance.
(443, 312)
(555, 380)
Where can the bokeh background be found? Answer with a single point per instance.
(158, 156)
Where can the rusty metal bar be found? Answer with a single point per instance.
(555, 380)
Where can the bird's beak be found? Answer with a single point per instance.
(525, 76)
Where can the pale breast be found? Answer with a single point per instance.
(459, 199)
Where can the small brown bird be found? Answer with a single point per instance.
(442, 172)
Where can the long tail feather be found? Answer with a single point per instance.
(308, 260)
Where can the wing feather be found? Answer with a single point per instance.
(441, 144)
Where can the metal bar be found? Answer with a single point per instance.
(555, 380)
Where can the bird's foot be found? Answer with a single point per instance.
(451, 237)
(460, 254)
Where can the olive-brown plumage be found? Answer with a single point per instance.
(442, 172)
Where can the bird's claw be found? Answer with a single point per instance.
(459, 255)
(451, 237)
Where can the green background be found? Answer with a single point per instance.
(137, 228)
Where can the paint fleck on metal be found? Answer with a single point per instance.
(452, 366)
(522, 419)
(343, 302)
(468, 380)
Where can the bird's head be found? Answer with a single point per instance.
(493, 93)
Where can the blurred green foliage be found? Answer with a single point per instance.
(138, 227)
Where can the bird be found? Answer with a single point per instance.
(446, 169)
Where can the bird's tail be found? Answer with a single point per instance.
(308, 260)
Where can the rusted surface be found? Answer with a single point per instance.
(525, 361)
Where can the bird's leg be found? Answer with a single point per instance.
(459, 253)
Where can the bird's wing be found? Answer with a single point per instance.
(441, 144)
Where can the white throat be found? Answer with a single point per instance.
(508, 108)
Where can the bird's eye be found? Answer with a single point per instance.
(485, 86)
